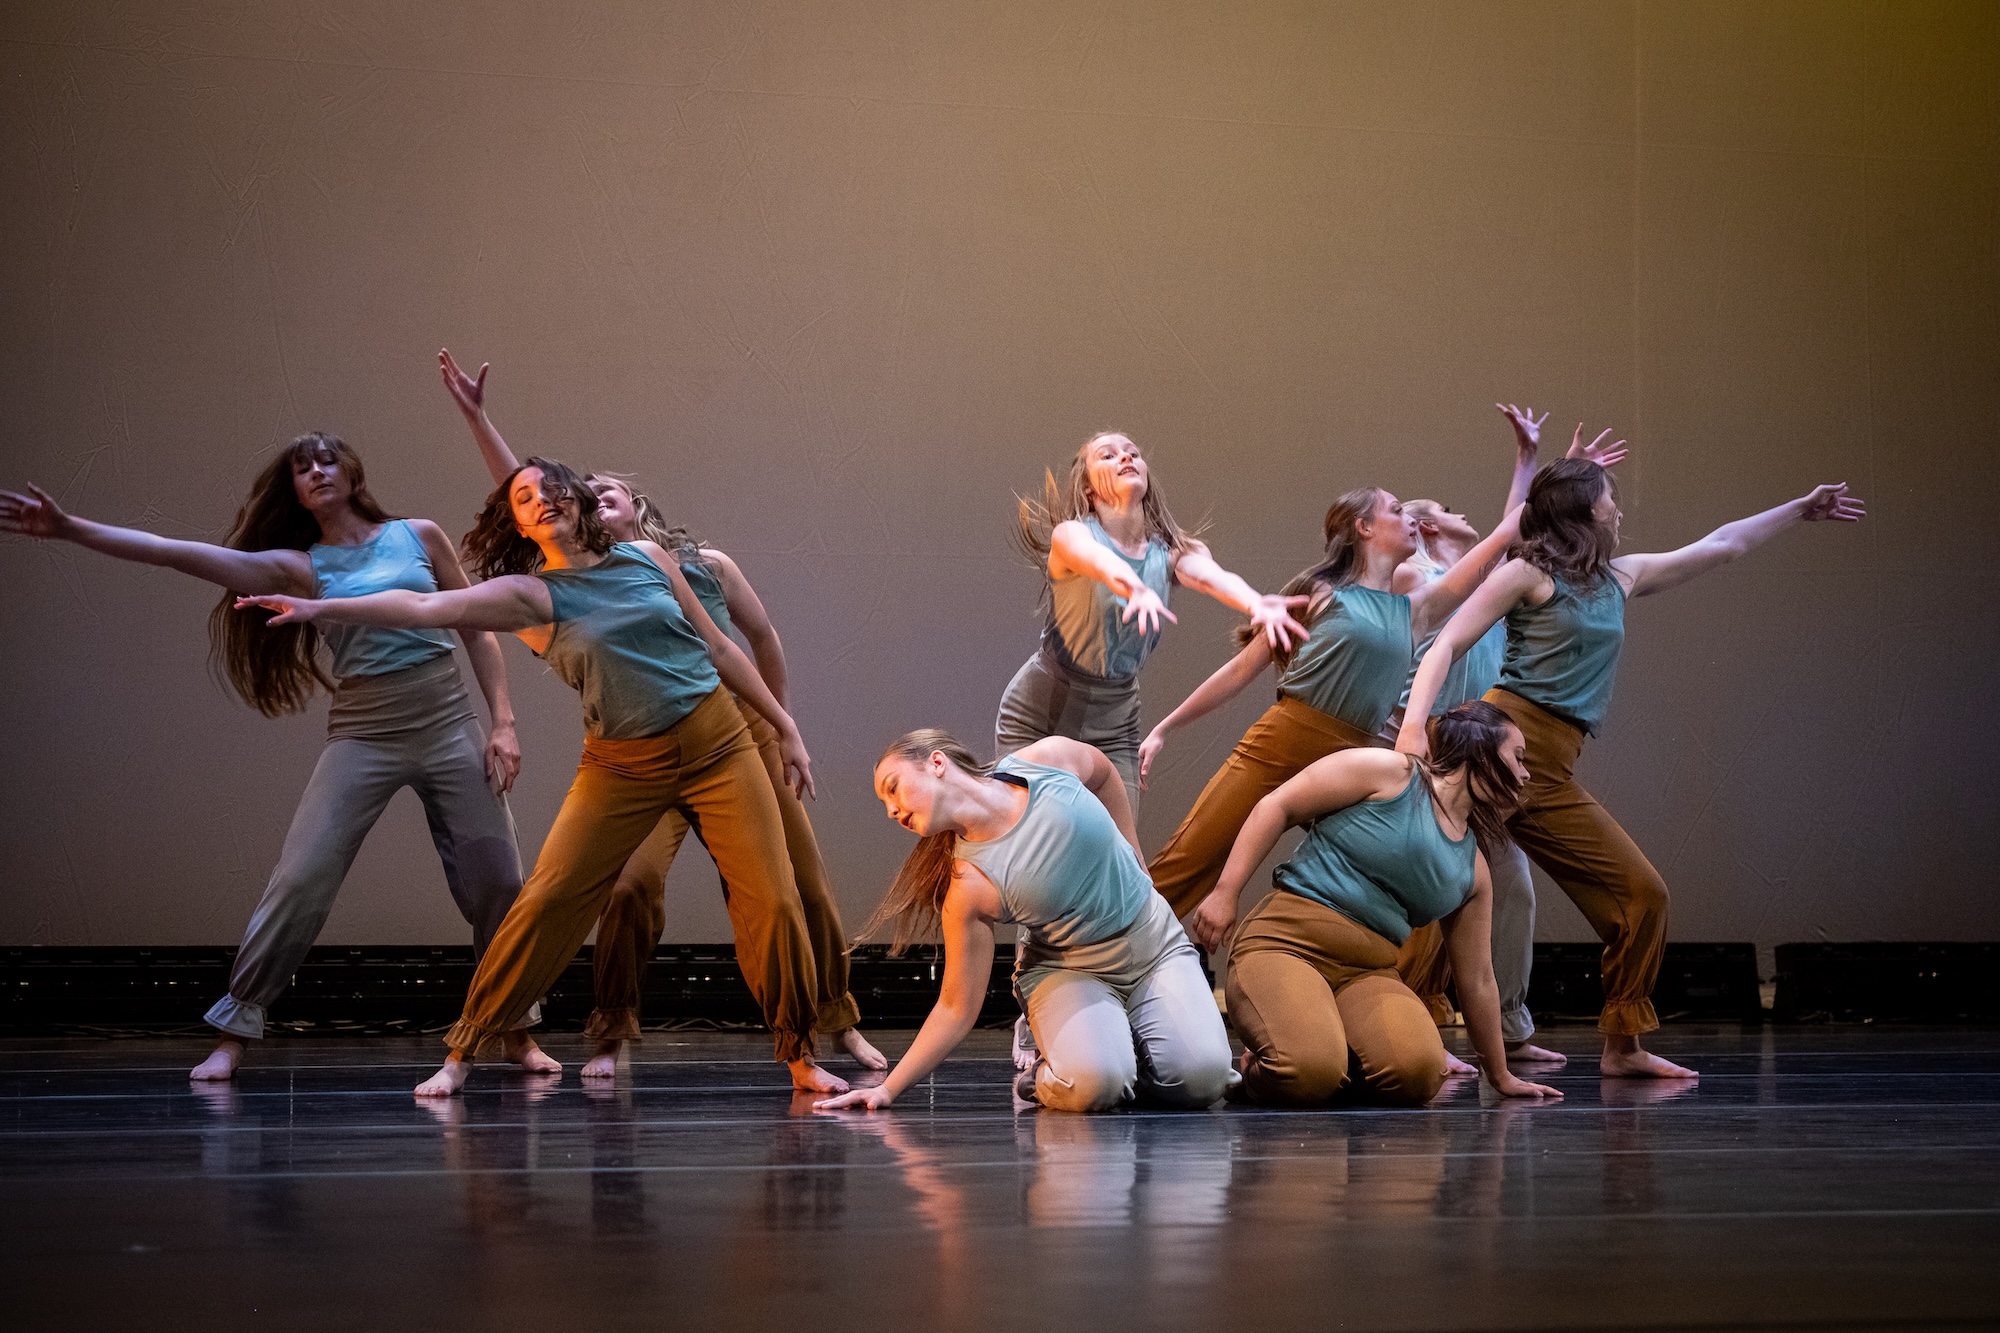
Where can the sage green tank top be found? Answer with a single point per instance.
(1563, 654)
(1386, 864)
(622, 643)
(1064, 871)
(1471, 675)
(394, 558)
(1086, 632)
(1355, 663)
(707, 585)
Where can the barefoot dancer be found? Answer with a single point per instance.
(400, 715)
(1563, 597)
(620, 625)
(1392, 843)
(629, 930)
(1044, 839)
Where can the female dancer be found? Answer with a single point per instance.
(1112, 551)
(629, 930)
(1392, 843)
(1563, 597)
(1044, 839)
(400, 715)
(619, 623)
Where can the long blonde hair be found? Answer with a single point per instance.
(1425, 562)
(1035, 520)
(653, 525)
(915, 901)
(1338, 567)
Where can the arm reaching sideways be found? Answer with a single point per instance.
(1468, 935)
(1225, 683)
(1270, 614)
(1648, 574)
(511, 602)
(1074, 553)
(1099, 774)
(278, 571)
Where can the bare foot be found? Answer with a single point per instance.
(517, 1047)
(1457, 1068)
(221, 1063)
(810, 1077)
(604, 1064)
(860, 1048)
(1527, 1053)
(1625, 1058)
(1025, 1053)
(447, 1080)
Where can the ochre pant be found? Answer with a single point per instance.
(708, 769)
(1278, 745)
(630, 928)
(1317, 1001)
(1566, 832)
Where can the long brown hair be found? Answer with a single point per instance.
(275, 668)
(495, 545)
(915, 900)
(1469, 737)
(1559, 535)
(1339, 566)
(1035, 520)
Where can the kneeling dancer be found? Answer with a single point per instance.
(1044, 839)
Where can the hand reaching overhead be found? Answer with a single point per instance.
(1597, 451)
(1527, 428)
(465, 390)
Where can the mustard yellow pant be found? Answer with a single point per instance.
(1566, 832)
(1322, 1012)
(1288, 737)
(629, 930)
(708, 769)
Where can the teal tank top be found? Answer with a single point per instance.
(1385, 864)
(393, 559)
(1064, 871)
(622, 643)
(1085, 632)
(1355, 664)
(707, 586)
(1563, 654)
(1471, 675)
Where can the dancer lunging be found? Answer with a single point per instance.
(635, 914)
(400, 715)
(1044, 840)
(1563, 598)
(620, 625)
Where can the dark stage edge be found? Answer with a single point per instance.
(1816, 1178)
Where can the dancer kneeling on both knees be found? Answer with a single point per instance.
(1392, 843)
(1044, 840)
(618, 622)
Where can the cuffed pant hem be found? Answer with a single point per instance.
(470, 1040)
(1627, 1018)
(790, 1046)
(838, 1015)
(612, 1025)
(238, 1018)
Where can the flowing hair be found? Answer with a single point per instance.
(1339, 566)
(495, 546)
(1559, 535)
(1469, 737)
(1035, 520)
(915, 901)
(275, 668)
(653, 525)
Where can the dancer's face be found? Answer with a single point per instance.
(1390, 530)
(319, 481)
(1436, 520)
(615, 509)
(1606, 513)
(1117, 473)
(540, 513)
(1514, 752)
(909, 791)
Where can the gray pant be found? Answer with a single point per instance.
(1046, 700)
(1513, 939)
(413, 728)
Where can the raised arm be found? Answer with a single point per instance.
(1225, 683)
(513, 602)
(38, 515)
(747, 610)
(503, 747)
(1468, 935)
(1433, 604)
(1074, 553)
(1645, 574)
(1505, 588)
(1270, 615)
(469, 392)
(1527, 451)
(1098, 773)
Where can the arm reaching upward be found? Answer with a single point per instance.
(1505, 588)
(1647, 574)
(469, 392)
(277, 571)
(1433, 604)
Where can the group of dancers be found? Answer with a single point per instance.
(1434, 691)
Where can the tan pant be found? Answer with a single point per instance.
(629, 930)
(707, 768)
(1316, 998)
(1288, 737)
(1566, 832)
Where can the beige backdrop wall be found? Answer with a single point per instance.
(835, 279)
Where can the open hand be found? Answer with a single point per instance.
(1507, 1085)
(33, 515)
(290, 610)
(1597, 451)
(1527, 428)
(1272, 617)
(1832, 503)
(1145, 608)
(468, 392)
(868, 1099)
(503, 759)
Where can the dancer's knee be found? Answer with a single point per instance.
(1085, 1088)
(1409, 1072)
(1189, 1078)
(1309, 1077)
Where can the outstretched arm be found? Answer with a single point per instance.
(1644, 574)
(1074, 553)
(38, 515)
(503, 747)
(1527, 449)
(469, 392)
(1224, 684)
(512, 602)
(747, 610)
(1270, 615)
(1432, 604)
(1504, 589)
(1468, 935)
(1097, 772)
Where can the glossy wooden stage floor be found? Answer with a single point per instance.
(1828, 1177)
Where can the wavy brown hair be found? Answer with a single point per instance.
(275, 668)
(915, 901)
(1469, 737)
(1035, 520)
(495, 546)
(1339, 566)
(1559, 535)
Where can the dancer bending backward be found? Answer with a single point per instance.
(1113, 552)
(400, 715)
(1392, 843)
(629, 930)
(1563, 597)
(1443, 538)
(1044, 839)
(618, 622)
